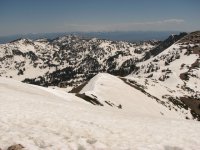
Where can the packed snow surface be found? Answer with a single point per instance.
(41, 118)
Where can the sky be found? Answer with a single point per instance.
(47, 16)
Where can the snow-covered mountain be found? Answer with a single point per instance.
(170, 77)
(40, 118)
(173, 76)
(69, 60)
(166, 72)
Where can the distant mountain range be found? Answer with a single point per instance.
(131, 36)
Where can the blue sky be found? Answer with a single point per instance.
(43, 16)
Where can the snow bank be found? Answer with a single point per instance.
(40, 118)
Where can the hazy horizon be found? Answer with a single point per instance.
(49, 16)
(129, 36)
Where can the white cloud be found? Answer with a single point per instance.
(174, 21)
(168, 24)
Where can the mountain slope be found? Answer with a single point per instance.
(111, 91)
(176, 73)
(164, 45)
(41, 118)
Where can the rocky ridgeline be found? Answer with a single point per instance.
(176, 71)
